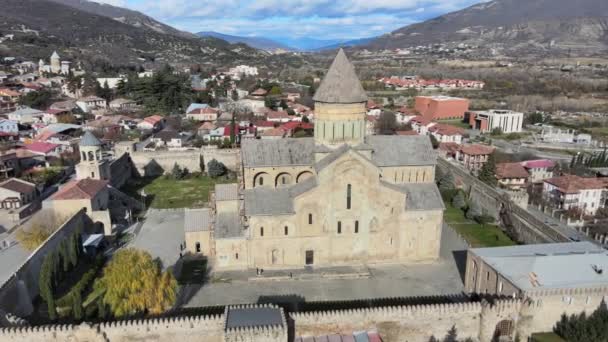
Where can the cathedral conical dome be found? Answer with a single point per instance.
(341, 84)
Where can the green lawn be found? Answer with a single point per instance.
(456, 122)
(546, 337)
(168, 193)
(477, 235)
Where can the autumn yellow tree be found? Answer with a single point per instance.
(134, 283)
(33, 236)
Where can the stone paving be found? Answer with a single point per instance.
(422, 279)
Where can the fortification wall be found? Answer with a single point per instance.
(121, 170)
(17, 292)
(194, 328)
(154, 163)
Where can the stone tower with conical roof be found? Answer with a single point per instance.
(92, 163)
(55, 63)
(340, 106)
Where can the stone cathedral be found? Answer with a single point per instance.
(340, 198)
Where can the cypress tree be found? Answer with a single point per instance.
(488, 171)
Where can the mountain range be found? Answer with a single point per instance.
(514, 27)
(101, 34)
(287, 43)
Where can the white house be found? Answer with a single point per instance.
(26, 115)
(507, 120)
(90, 103)
(151, 123)
(446, 133)
(203, 114)
(123, 104)
(539, 170)
(574, 192)
(112, 81)
(421, 125)
(9, 126)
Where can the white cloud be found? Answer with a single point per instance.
(119, 3)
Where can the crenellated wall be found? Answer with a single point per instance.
(152, 163)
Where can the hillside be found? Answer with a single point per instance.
(123, 15)
(255, 42)
(513, 27)
(41, 26)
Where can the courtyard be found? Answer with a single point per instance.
(476, 234)
(162, 233)
(168, 193)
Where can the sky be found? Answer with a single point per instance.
(277, 19)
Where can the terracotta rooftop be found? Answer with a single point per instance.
(511, 170)
(259, 92)
(476, 149)
(539, 164)
(445, 129)
(274, 132)
(154, 119)
(206, 110)
(80, 189)
(18, 185)
(571, 184)
(421, 120)
(41, 147)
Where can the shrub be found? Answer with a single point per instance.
(215, 168)
(459, 201)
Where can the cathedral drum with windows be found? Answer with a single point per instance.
(340, 198)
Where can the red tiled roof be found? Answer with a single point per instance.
(9, 92)
(539, 164)
(41, 147)
(154, 119)
(278, 115)
(18, 185)
(206, 110)
(450, 147)
(445, 129)
(80, 189)
(45, 135)
(476, 149)
(511, 170)
(296, 124)
(571, 184)
(259, 92)
(421, 120)
(274, 132)
(264, 124)
(207, 125)
(407, 133)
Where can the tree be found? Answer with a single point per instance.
(447, 182)
(386, 123)
(487, 174)
(90, 85)
(459, 201)
(176, 172)
(579, 328)
(37, 99)
(201, 163)
(45, 283)
(305, 119)
(215, 168)
(34, 235)
(131, 290)
(474, 211)
(77, 305)
(283, 104)
(434, 142)
(275, 90)
(234, 95)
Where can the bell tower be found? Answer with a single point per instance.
(340, 106)
(92, 163)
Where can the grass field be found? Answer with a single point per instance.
(457, 123)
(168, 193)
(477, 235)
(546, 337)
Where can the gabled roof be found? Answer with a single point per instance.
(18, 185)
(278, 152)
(41, 147)
(88, 139)
(511, 170)
(476, 149)
(401, 150)
(571, 184)
(341, 84)
(80, 189)
(539, 163)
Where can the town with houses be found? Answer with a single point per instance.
(257, 209)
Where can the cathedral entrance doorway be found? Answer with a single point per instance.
(310, 257)
(275, 256)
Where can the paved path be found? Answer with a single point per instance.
(421, 279)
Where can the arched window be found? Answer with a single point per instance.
(348, 196)
(198, 247)
(356, 227)
(261, 231)
(261, 181)
(309, 218)
(339, 227)
(286, 230)
(236, 256)
(84, 155)
(91, 156)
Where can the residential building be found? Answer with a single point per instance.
(539, 170)
(291, 127)
(123, 104)
(511, 176)
(15, 193)
(53, 116)
(279, 116)
(421, 124)
(373, 108)
(64, 105)
(26, 115)
(112, 82)
(338, 198)
(473, 156)
(152, 123)
(243, 70)
(203, 114)
(259, 93)
(575, 192)
(507, 121)
(9, 165)
(46, 149)
(205, 128)
(9, 126)
(169, 138)
(528, 270)
(92, 194)
(445, 133)
(91, 103)
(441, 107)
(274, 133)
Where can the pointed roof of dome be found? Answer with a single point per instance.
(88, 139)
(55, 55)
(341, 84)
